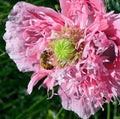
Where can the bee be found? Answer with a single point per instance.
(45, 62)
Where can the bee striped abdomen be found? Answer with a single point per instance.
(44, 59)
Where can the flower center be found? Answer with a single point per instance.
(64, 49)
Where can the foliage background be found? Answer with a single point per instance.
(15, 103)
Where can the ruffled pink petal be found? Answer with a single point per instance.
(76, 10)
(89, 88)
(28, 33)
(114, 23)
(49, 83)
(114, 70)
(82, 12)
(81, 105)
(109, 24)
(34, 80)
(64, 4)
(98, 6)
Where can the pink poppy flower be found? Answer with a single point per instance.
(77, 49)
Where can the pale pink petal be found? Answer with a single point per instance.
(81, 105)
(82, 12)
(98, 6)
(49, 83)
(34, 80)
(109, 23)
(27, 33)
(76, 10)
(65, 5)
(114, 22)
(89, 88)
(114, 70)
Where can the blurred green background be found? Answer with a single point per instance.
(15, 103)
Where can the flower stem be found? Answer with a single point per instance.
(108, 111)
(95, 116)
(115, 109)
(59, 113)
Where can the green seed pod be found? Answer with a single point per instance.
(64, 49)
